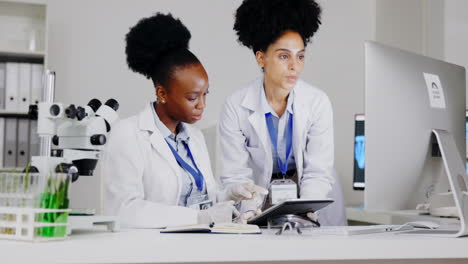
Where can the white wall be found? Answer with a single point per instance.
(416, 25)
(456, 33)
(335, 63)
(399, 24)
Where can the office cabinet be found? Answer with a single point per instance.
(22, 56)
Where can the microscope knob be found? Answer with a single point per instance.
(33, 112)
(80, 113)
(70, 111)
(55, 140)
(98, 139)
(69, 169)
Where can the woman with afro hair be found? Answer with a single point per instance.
(156, 165)
(278, 127)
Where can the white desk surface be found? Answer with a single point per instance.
(147, 245)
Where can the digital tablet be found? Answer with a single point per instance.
(297, 207)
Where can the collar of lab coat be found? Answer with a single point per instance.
(253, 101)
(167, 134)
(146, 123)
(267, 107)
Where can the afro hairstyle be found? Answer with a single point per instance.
(259, 23)
(157, 45)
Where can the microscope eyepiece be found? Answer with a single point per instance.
(94, 104)
(112, 103)
(54, 110)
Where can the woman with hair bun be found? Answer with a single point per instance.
(277, 131)
(156, 165)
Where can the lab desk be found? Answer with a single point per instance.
(394, 217)
(149, 246)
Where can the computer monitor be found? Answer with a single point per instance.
(359, 152)
(407, 96)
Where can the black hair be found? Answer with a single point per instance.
(157, 45)
(259, 23)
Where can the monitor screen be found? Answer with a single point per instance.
(359, 152)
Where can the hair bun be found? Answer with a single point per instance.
(258, 23)
(153, 37)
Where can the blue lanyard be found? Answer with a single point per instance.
(271, 130)
(196, 173)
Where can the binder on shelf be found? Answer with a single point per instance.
(33, 139)
(2, 140)
(22, 153)
(11, 88)
(37, 73)
(24, 87)
(2, 85)
(9, 152)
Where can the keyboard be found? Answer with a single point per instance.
(357, 230)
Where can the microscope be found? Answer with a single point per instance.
(77, 133)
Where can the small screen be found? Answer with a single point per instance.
(359, 153)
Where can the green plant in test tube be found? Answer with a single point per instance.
(55, 196)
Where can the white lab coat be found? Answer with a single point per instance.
(142, 177)
(246, 147)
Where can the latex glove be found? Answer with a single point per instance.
(218, 213)
(313, 216)
(246, 216)
(244, 191)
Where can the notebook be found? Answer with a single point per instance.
(227, 228)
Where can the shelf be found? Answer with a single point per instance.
(22, 56)
(22, 53)
(23, 27)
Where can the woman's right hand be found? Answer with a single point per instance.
(247, 215)
(218, 213)
(244, 191)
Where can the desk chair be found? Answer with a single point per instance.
(335, 213)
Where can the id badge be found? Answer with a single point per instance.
(281, 190)
(201, 203)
